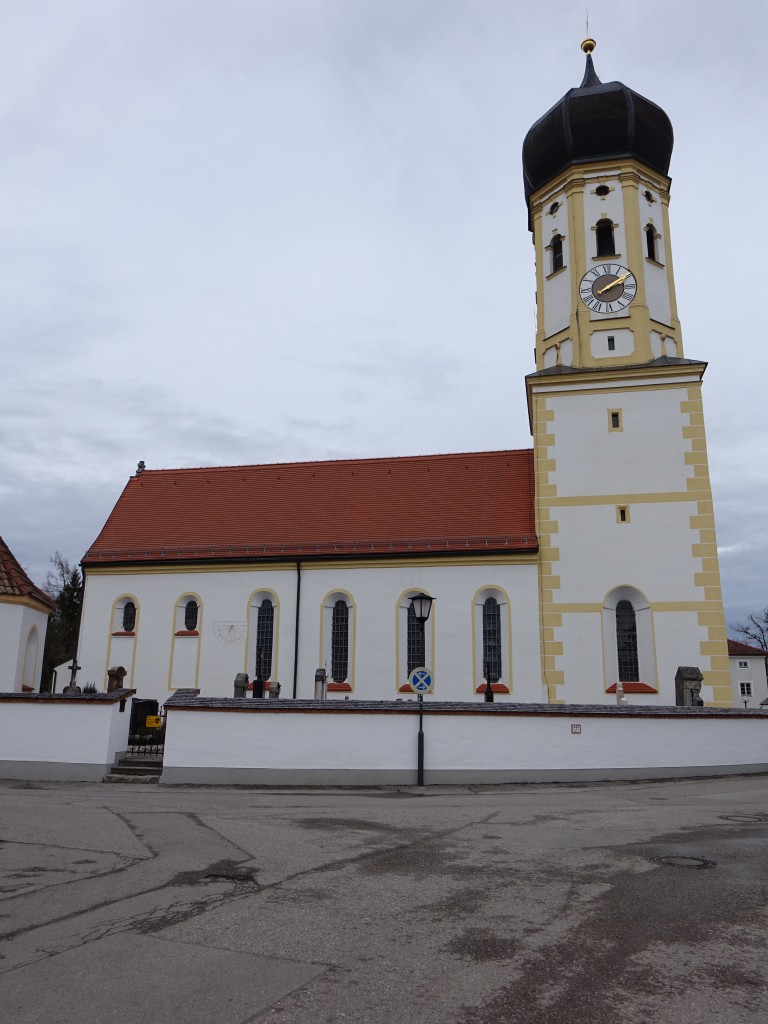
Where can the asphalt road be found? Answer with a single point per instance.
(612, 903)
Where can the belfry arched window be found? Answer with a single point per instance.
(556, 247)
(492, 662)
(626, 643)
(650, 242)
(606, 245)
(340, 641)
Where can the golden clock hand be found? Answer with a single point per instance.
(607, 288)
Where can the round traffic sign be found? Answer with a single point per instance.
(421, 681)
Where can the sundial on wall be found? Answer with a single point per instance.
(230, 632)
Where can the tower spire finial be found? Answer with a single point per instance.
(590, 75)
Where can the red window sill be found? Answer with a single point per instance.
(120, 632)
(339, 688)
(633, 688)
(495, 688)
(186, 632)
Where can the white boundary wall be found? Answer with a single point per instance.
(322, 743)
(62, 738)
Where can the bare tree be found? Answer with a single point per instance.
(65, 585)
(754, 630)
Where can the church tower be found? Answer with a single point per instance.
(629, 574)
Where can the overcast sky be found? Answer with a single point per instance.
(241, 231)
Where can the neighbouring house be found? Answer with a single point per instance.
(24, 611)
(748, 674)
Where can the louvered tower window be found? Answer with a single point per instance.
(264, 633)
(492, 640)
(604, 234)
(626, 642)
(340, 642)
(417, 648)
(190, 616)
(129, 617)
(650, 243)
(557, 253)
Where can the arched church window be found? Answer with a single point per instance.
(417, 646)
(265, 622)
(492, 667)
(650, 242)
(340, 642)
(626, 642)
(129, 617)
(190, 615)
(604, 236)
(557, 253)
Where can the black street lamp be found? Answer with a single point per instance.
(421, 606)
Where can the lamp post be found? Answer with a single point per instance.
(421, 606)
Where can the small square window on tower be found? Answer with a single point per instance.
(614, 419)
(622, 513)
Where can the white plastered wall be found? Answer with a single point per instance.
(19, 663)
(557, 287)
(376, 591)
(754, 673)
(642, 468)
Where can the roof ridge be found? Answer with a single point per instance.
(338, 462)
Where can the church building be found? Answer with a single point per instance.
(557, 572)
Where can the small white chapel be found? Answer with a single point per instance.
(557, 571)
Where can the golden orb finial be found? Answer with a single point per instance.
(588, 46)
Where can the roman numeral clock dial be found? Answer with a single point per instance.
(608, 288)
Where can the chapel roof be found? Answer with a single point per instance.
(458, 503)
(736, 647)
(14, 582)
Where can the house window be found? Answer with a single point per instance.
(604, 236)
(557, 253)
(340, 642)
(129, 617)
(650, 242)
(265, 625)
(491, 640)
(743, 664)
(745, 689)
(626, 643)
(417, 643)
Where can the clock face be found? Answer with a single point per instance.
(608, 288)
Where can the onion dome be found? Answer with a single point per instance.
(596, 122)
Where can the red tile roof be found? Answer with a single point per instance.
(736, 647)
(480, 501)
(14, 582)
